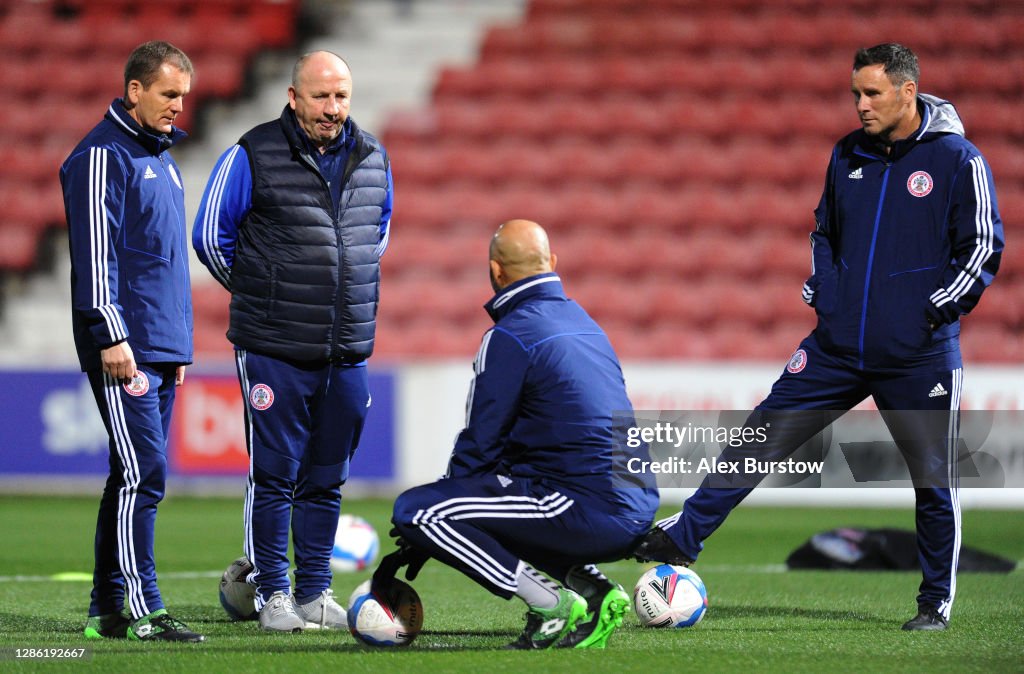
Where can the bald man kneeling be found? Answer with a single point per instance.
(533, 485)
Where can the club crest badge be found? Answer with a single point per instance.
(798, 362)
(920, 183)
(137, 385)
(261, 397)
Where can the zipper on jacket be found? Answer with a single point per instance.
(181, 231)
(353, 160)
(335, 210)
(871, 260)
(355, 157)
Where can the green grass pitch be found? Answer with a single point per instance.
(760, 618)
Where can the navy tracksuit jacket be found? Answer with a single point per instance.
(905, 244)
(125, 209)
(533, 476)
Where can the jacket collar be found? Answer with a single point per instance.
(155, 143)
(531, 287)
(938, 117)
(298, 139)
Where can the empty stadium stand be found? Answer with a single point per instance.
(675, 149)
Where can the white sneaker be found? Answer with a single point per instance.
(322, 612)
(278, 614)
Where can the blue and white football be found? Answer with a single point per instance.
(670, 596)
(356, 545)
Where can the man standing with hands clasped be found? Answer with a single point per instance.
(294, 221)
(132, 317)
(907, 238)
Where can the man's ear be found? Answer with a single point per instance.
(554, 261)
(497, 273)
(132, 93)
(909, 91)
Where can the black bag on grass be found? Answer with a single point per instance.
(855, 549)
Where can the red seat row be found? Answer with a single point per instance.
(709, 321)
(682, 32)
(684, 208)
(550, 120)
(719, 74)
(119, 27)
(544, 8)
(674, 162)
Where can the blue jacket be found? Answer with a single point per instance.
(125, 209)
(904, 245)
(542, 403)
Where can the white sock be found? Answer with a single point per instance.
(535, 589)
(587, 581)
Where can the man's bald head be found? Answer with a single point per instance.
(519, 249)
(316, 62)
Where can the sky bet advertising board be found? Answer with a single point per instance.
(51, 427)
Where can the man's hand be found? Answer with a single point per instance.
(179, 375)
(119, 361)
(406, 556)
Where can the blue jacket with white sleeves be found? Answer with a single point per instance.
(549, 400)
(905, 244)
(125, 210)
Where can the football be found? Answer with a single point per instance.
(355, 545)
(237, 596)
(385, 616)
(670, 596)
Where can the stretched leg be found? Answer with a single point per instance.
(811, 393)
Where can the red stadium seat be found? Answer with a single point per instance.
(23, 26)
(17, 247)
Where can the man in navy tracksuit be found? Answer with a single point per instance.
(294, 221)
(132, 319)
(530, 484)
(908, 236)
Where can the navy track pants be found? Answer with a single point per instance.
(302, 426)
(137, 416)
(815, 380)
